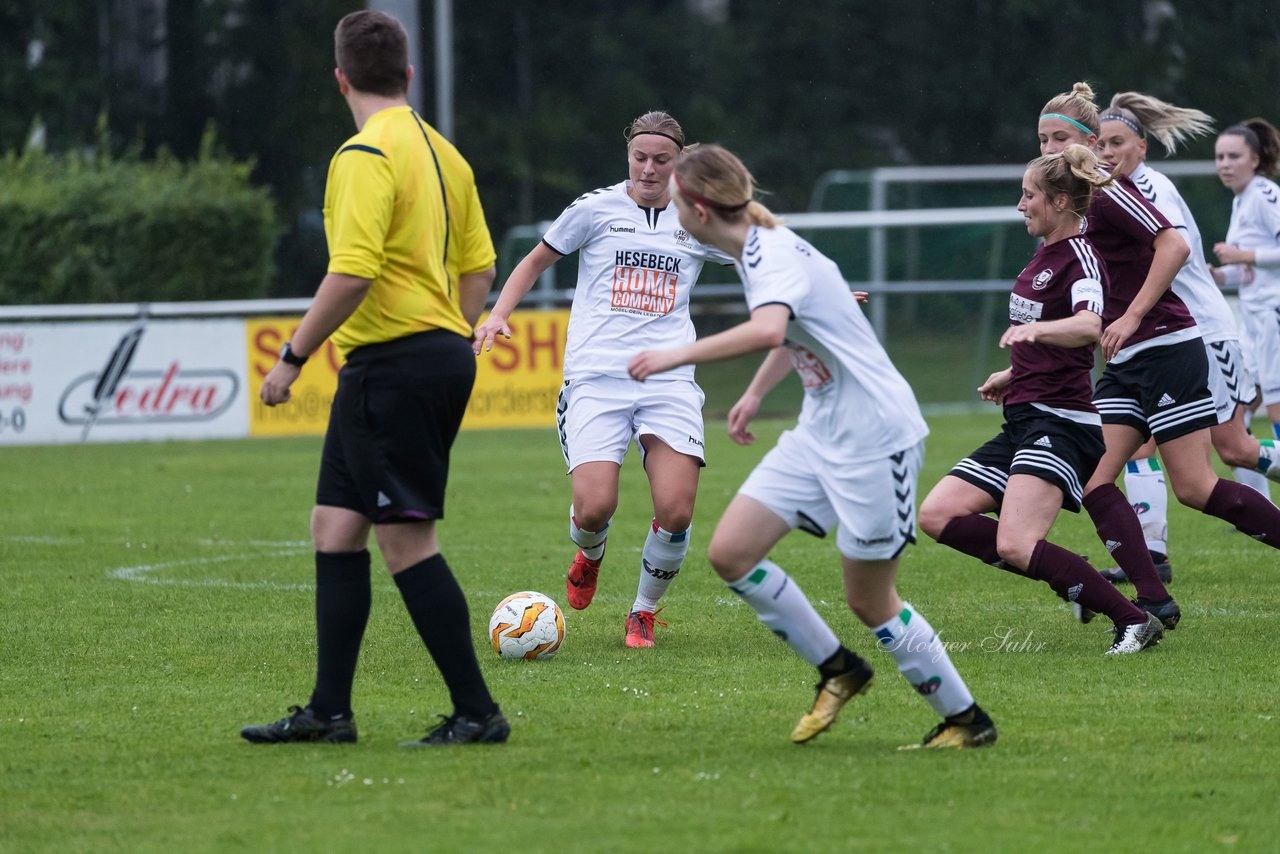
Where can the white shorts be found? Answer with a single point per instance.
(873, 502)
(1230, 382)
(1246, 349)
(1262, 330)
(599, 416)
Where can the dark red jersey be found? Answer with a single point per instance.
(1122, 226)
(1061, 279)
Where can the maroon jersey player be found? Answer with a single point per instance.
(1156, 378)
(1051, 440)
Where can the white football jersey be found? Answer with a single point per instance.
(857, 407)
(636, 266)
(1193, 284)
(1255, 224)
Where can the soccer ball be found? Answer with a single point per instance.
(526, 626)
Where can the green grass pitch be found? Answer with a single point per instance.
(156, 597)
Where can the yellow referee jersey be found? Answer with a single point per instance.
(401, 208)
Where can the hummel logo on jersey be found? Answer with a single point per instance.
(383, 500)
(1043, 442)
(1112, 545)
(1074, 591)
(1165, 400)
(694, 441)
(626, 229)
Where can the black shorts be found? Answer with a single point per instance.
(1163, 392)
(1032, 441)
(395, 415)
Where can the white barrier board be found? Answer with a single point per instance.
(122, 381)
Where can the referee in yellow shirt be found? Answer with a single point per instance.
(410, 264)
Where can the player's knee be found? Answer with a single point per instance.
(674, 520)
(1014, 550)
(1241, 454)
(865, 611)
(1194, 494)
(593, 515)
(729, 563)
(934, 516)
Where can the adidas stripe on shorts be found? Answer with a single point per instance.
(1161, 391)
(1039, 443)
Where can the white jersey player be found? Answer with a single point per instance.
(1246, 153)
(850, 463)
(1122, 145)
(636, 268)
(635, 271)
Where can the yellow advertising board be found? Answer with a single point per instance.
(307, 412)
(517, 382)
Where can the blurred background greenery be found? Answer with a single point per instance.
(544, 90)
(231, 109)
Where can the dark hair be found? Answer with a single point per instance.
(1074, 172)
(1263, 140)
(372, 49)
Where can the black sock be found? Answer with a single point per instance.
(342, 610)
(439, 611)
(842, 661)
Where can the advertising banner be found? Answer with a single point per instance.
(307, 412)
(518, 381)
(199, 378)
(113, 381)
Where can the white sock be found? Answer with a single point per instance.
(659, 565)
(1256, 480)
(1268, 467)
(1144, 485)
(923, 660)
(782, 606)
(591, 542)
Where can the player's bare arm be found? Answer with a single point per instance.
(1081, 329)
(993, 389)
(473, 290)
(775, 366)
(1171, 252)
(766, 329)
(518, 284)
(337, 298)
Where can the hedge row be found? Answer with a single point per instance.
(93, 230)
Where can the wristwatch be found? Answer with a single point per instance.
(291, 358)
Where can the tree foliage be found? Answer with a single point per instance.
(85, 229)
(543, 91)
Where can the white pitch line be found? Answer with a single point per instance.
(141, 573)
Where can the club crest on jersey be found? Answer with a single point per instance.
(1041, 281)
(682, 236)
(814, 374)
